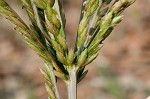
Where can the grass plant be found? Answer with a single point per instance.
(46, 36)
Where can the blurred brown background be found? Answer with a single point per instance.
(122, 70)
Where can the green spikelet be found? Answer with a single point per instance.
(116, 20)
(52, 29)
(50, 91)
(70, 57)
(61, 57)
(82, 57)
(62, 42)
(43, 3)
(60, 75)
(90, 59)
(56, 46)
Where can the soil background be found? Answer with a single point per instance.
(121, 71)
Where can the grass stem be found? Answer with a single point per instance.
(72, 85)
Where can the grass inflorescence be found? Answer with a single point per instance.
(46, 36)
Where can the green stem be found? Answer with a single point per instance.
(72, 85)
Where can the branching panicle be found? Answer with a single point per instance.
(46, 36)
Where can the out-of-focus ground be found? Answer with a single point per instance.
(122, 70)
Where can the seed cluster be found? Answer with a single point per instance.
(99, 17)
(46, 35)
